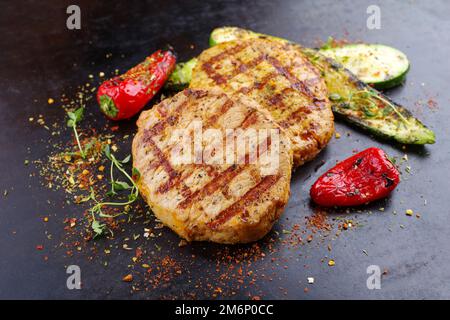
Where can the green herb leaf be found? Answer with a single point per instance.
(111, 193)
(98, 228)
(75, 117)
(107, 151)
(121, 185)
(79, 114)
(127, 159)
(132, 197)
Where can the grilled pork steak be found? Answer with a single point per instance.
(280, 78)
(222, 201)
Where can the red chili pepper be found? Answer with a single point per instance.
(124, 96)
(364, 177)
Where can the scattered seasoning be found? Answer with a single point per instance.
(182, 243)
(237, 269)
(128, 278)
(50, 101)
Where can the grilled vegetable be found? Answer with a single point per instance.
(352, 99)
(360, 104)
(181, 76)
(124, 96)
(381, 66)
(362, 178)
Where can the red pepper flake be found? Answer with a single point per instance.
(432, 104)
(39, 247)
(128, 278)
(318, 221)
(138, 252)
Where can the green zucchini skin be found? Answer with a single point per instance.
(181, 76)
(380, 66)
(364, 106)
(358, 103)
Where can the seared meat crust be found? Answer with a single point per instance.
(281, 79)
(222, 202)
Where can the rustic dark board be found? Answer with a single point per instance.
(39, 58)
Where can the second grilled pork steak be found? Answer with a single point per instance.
(281, 79)
(227, 201)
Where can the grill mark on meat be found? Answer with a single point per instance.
(241, 68)
(161, 125)
(295, 82)
(220, 79)
(294, 116)
(162, 160)
(240, 206)
(265, 80)
(195, 93)
(221, 179)
(173, 183)
(231, 51)
(223, 109)
(277, 101)
(208, 66)
(216, 77)
(157, 129)
(189, 197)
(249, 120)
(312, 81)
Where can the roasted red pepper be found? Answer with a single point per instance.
(364, 177)
(124, 96)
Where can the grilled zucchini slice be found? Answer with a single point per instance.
(381, 66)
(360, 104)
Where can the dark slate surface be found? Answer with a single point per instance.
(39, 58)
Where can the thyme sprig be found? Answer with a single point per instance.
(116, 185)
(365, 95)
(366, 100)
(74, 118)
